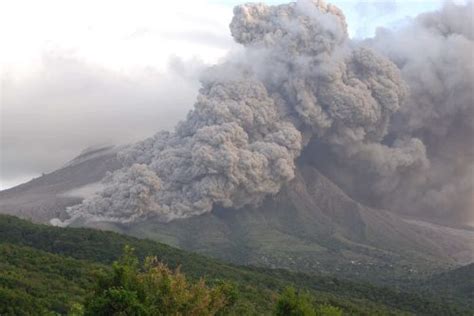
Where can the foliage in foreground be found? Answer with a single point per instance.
(153, 290)
(293, 303)
(156, 290)
(47, 270)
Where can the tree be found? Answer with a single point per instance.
(153, 289)
(293, 303)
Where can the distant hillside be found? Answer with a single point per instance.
(50, 268)
(313, 226)
(456, 285)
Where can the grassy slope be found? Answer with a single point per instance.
(70, 258)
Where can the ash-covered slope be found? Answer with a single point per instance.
(311, 225)
(46, 197)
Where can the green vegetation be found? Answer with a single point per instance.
(154, 290)
(292, 303)
(34, 282)
(457, 285)
(48, 269)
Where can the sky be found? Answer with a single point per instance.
(76, 74)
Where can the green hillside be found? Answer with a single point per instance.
(456, 285)
(45, 268)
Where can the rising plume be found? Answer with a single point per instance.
(302, 88)
(434, 53)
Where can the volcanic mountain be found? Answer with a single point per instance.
(300, 152)
(311, 225)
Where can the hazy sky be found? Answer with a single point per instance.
(75, 74)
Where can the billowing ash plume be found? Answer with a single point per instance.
(299, 82)
(232, 150)
(440, 110)
(335, 92)
(435, 55)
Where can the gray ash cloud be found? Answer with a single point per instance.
(382, 113)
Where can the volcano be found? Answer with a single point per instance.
(311, 225)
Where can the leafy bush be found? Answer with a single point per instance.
(293, 303)
(153, 289)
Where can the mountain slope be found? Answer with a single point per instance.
(70, 259)
(456, 285)
(311, 225)
(46, 197)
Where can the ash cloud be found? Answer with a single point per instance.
(434, 53)
(301, 87)
(232, 150)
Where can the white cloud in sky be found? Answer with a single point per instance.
(114, 33)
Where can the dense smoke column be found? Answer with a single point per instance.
(337, 93)
(299, 80)
(232, 150)
(435, 54)
(440, 109)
